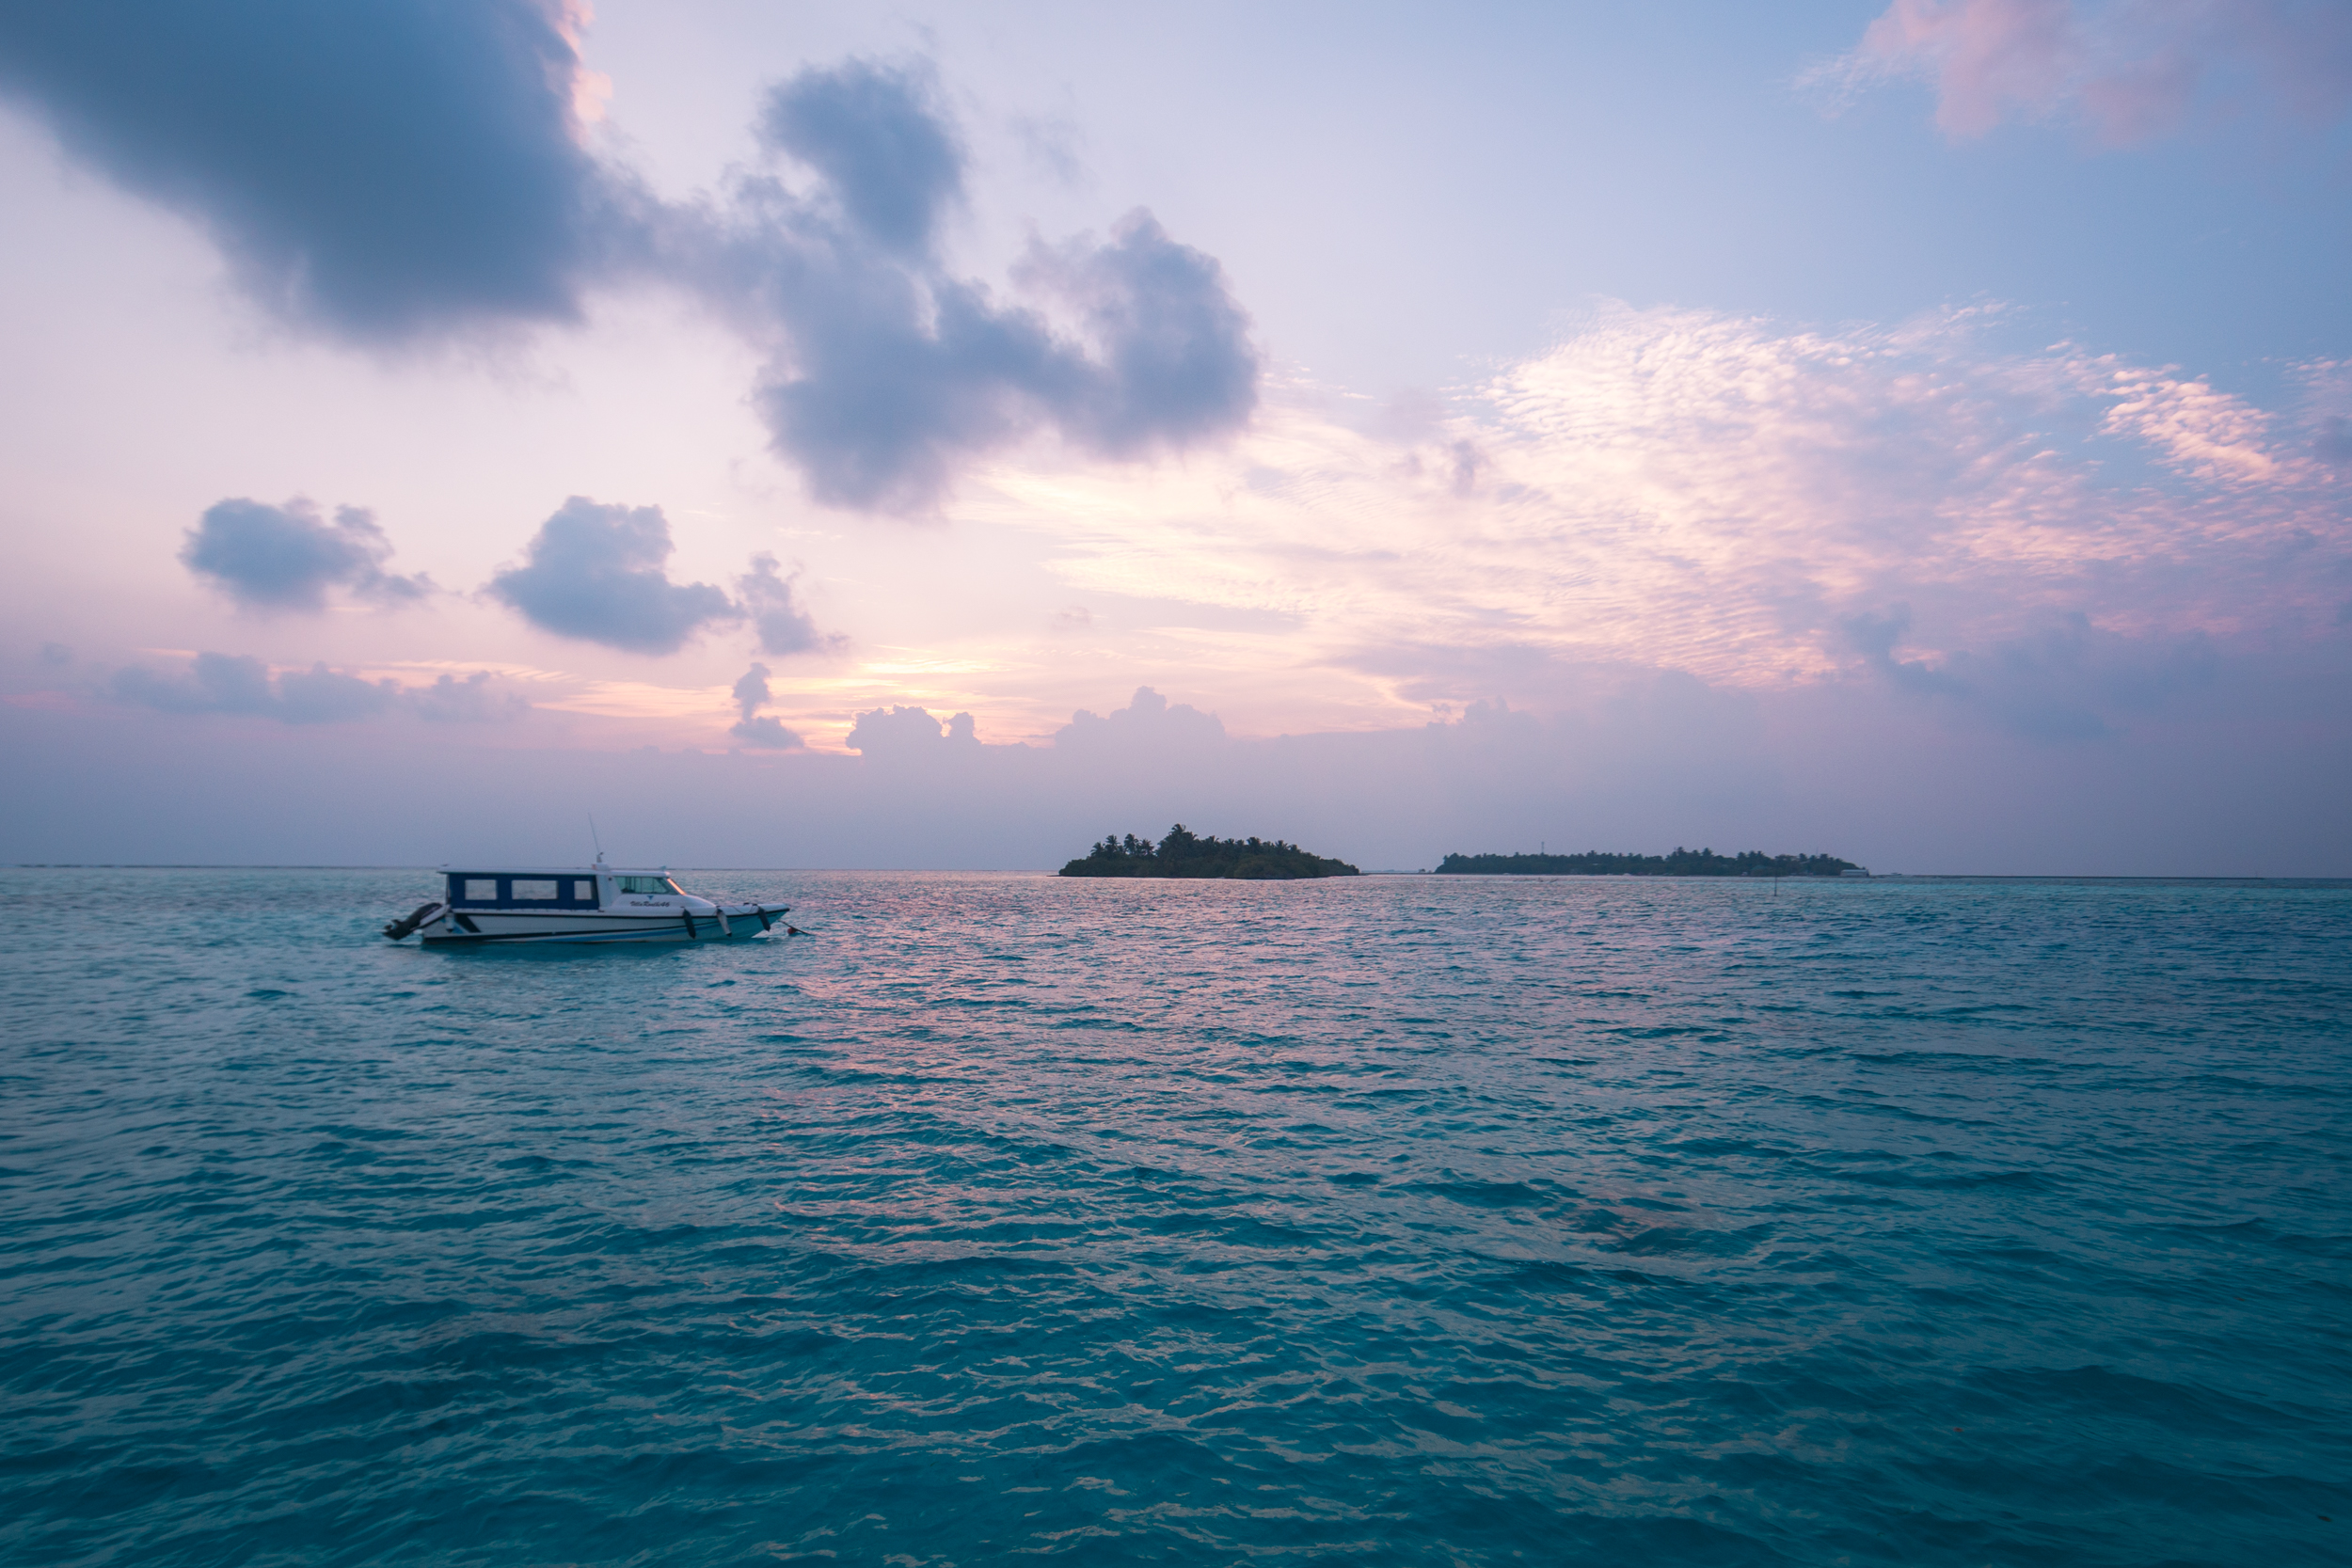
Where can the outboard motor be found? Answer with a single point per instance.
(423, 912)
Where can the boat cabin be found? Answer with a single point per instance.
(597, 887)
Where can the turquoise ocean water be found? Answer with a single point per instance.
(1401, 1220)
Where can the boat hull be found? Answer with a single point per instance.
(596, 928)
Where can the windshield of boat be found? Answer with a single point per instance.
(645, 884)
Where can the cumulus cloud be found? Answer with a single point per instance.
(287, 557)
(2129, 70)
(411, 168)
(598, 573)
(377, 172)
(908, 734)
(1147, 723)
(754, 729)
(229, 683)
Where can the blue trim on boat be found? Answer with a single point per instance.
(569, 896)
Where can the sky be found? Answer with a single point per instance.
(937, 436)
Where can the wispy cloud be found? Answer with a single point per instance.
(1671, 489)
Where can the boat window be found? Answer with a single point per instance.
(583, 892)
(532, 887)
(484, 889)
(643, 884)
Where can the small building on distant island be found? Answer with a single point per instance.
(1185, 854)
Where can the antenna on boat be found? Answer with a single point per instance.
(595, 838)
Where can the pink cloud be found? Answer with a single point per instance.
(1986, 56)
(1722, 495)
(2131, 70)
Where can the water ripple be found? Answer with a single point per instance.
(1407, 1220)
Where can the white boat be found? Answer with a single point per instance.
(595, 903)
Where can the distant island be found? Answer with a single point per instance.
(1682, 862)
(1183, 853)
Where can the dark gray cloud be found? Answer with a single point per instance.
(224, 682)
(783, 626)
(885, 150)
(889, 371)
(404, 168)
(1175, 362)
(597, 573)
(287, 557)
(892, 374)
(377, 169)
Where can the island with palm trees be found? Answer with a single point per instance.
(1186, 854)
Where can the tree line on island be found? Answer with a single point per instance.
(1682, 862)
(1185, 853)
